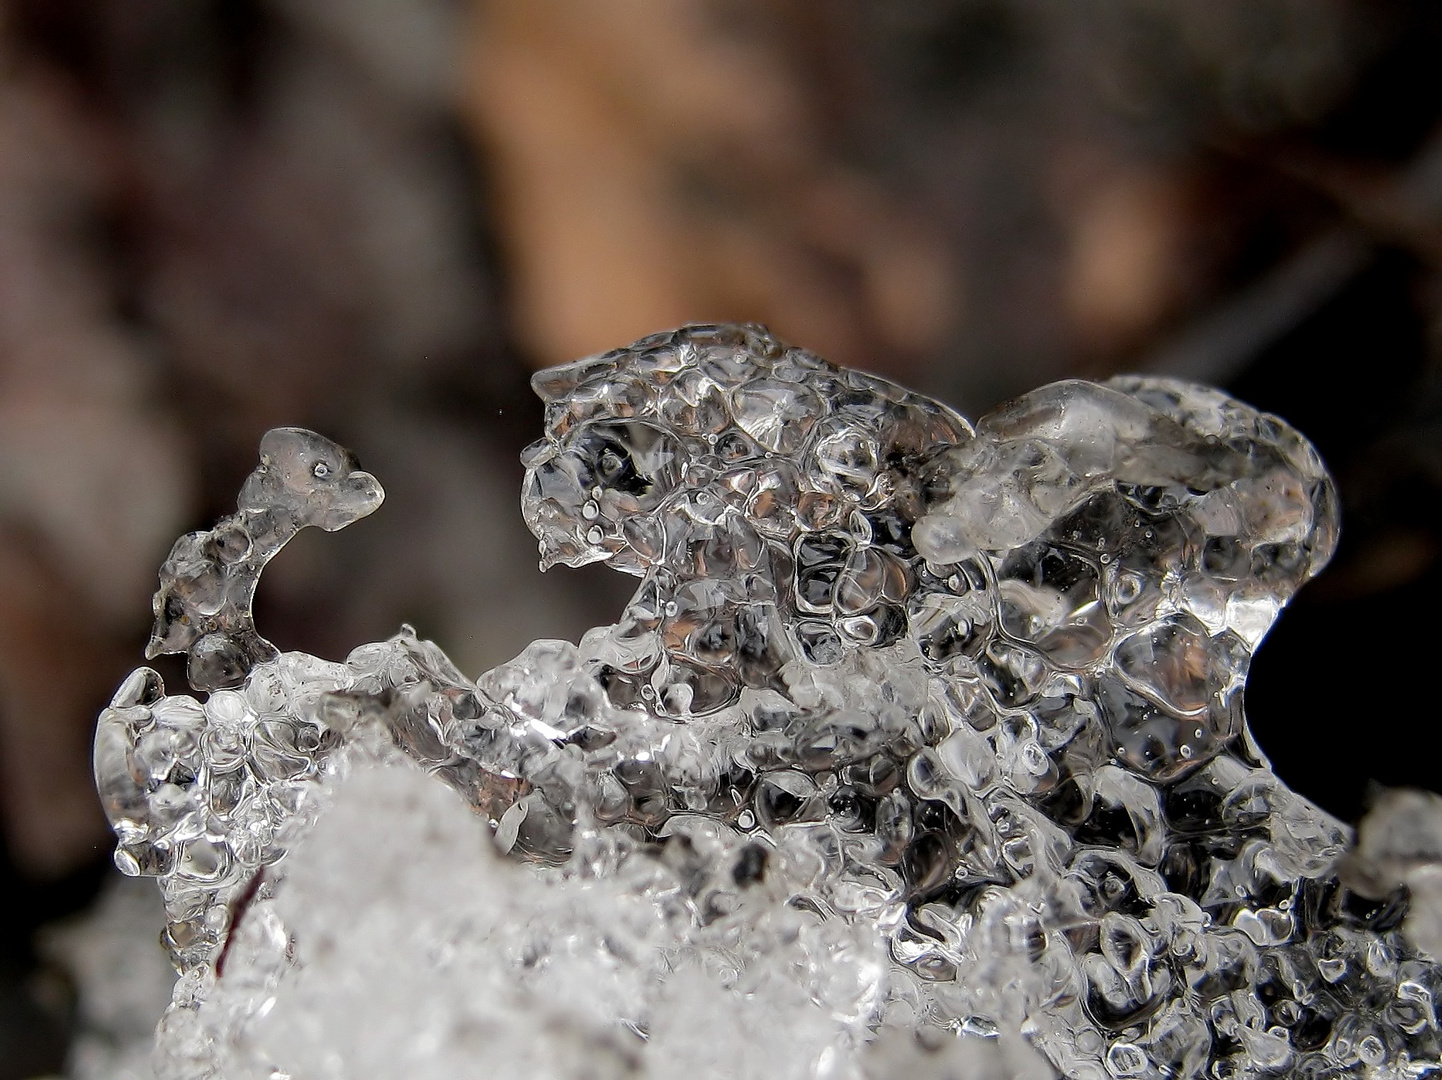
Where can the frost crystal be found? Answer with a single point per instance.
(918, 751)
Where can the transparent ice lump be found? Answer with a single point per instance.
(918, 751)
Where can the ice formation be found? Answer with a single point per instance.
(919, 751)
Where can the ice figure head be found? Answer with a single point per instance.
(914, 742)
(306, 479)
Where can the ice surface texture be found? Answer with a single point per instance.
(909, 729)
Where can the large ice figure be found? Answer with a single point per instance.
(917, 746)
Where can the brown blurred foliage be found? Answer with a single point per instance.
(663, 161)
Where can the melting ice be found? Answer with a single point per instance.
(919, 751)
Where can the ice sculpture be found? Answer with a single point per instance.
(919, 750)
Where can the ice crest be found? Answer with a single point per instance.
(918, 750)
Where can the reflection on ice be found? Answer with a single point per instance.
(917, 749)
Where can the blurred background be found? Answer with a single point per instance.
(376, 217)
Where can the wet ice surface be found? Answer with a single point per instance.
(918, 751)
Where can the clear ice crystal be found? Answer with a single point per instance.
(207, 584)
(919, 750)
